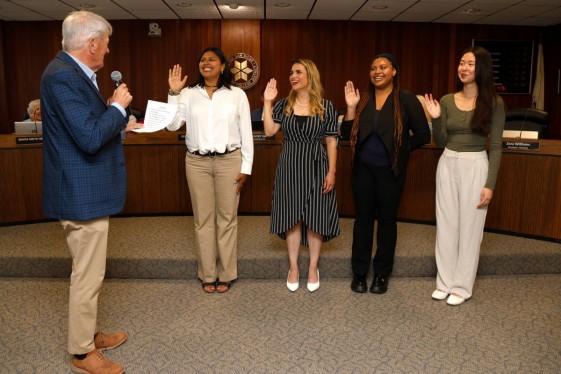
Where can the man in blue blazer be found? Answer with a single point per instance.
(84, 176)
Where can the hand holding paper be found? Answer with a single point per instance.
(158, 116)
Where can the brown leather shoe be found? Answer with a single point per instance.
(96, 363)
(106, 342)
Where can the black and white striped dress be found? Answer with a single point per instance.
(301, 170)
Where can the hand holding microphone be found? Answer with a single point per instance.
(121, 95)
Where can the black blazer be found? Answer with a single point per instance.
(414, 120)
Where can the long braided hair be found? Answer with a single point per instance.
(396, 108)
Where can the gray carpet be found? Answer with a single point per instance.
(163, 248)
(512, 323)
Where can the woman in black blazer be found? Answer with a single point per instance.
(387, 123)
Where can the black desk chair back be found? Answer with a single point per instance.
(526, 119)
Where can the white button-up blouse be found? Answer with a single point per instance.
(220, 124)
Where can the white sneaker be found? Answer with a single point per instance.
(439, 295)
(455, 300)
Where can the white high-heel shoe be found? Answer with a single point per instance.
(313, 286)
(291, 286)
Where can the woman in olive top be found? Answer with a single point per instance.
(465, 177)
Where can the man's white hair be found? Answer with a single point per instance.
(33, 105)
(80, 26)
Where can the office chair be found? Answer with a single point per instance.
(344, 128)
(521, 121)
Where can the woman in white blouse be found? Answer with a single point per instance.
(219, 157)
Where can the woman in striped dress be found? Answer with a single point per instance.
(304, 206)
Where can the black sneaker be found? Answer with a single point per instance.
(379, 284)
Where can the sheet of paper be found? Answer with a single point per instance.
(158, 115)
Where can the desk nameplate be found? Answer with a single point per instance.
(525, 146)
(29, 139)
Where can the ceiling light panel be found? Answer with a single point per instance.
(200, 9)
(538, 21)
(298, 9)
(495, 19)
(458, 18)
(247, 9)
(485, 9)
(105, 8)
(539, 2)
(20, 11)
(372, 10)
(147, 9)
(415, 11)
(433, 7)
(332, 9)
(522, 10)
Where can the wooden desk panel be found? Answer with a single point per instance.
(526, 199)
(156, 180)
(20, 184)
(527, 196)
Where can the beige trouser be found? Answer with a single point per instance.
(460, 177)
(87, 242)
(212, 185)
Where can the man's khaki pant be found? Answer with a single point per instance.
(87, 242)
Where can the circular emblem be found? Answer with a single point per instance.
(244, 69)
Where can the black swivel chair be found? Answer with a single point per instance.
(526, 119)
(344, 128)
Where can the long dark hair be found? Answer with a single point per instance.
(225, 79)
(486, 93)
(396, 104)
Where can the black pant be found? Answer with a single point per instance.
(376, 194)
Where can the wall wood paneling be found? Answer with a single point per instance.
(244, 36)
(428, 54)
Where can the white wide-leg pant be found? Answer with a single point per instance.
(460, 177)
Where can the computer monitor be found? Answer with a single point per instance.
(28, 127)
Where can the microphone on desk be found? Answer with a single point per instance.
(523, 122)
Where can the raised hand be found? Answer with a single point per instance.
(270, 91)
(352, 96)
(433, 106)
(175, 82)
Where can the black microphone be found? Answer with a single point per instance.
(117, 77)
(523, 122)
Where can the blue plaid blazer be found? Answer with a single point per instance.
(84, 175)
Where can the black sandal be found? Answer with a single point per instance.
(209, 287)
(227, 286)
